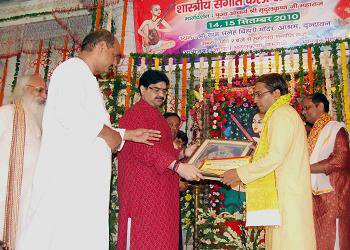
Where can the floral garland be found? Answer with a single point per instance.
(310, 70)
(283, 57)
(183, 88)
(237, 82)
(227, 231)
(277, 61)
(187, 212)
(261, 63)
(223, 67)
(301, 71)
(93, 17)
(269, 54)
(297, 96)
(47, 66)
(229, 71)
(245, 61)
(177, 81)
(128, 84)
(38, 59)
(133, 82)
(156, 63)
(216, 197)
(217, 74)
(208, 85)
(252, 57)
(326, 64)
(292, 77)
(30, 15)
(190, 93)
(345, 85)
(319, 78)
(162, 67)
(337, 92)
(65, 48)
(201, 78)
(170, 96)
(98, 15)
(15, 76)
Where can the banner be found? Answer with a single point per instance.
(201, 26)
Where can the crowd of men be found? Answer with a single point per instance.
(55, 164)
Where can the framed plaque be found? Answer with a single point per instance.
(213, 168)
(214, 156)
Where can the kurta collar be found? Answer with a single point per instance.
(146, 105)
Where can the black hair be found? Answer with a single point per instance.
(318, 98)
(273, 82)
(170, 114)
(183, 136)
(152, 77)
(97, 36)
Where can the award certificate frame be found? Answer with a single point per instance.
(215, 156)
(215, 148)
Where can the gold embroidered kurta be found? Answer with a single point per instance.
(288, 157)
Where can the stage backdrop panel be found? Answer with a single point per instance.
(232, 25)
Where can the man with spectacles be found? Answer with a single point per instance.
(71, 188)
(148, 177)
(277, 181)
(20, 139)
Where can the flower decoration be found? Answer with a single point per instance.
(227, 231)
(222, 98)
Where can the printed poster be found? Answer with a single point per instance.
(201, 26)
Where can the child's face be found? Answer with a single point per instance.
(179, 143)
(257, 123)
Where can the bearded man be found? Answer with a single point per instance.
(20, 137)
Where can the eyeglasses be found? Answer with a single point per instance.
(259, 94)
(38, 89)
(158, 90)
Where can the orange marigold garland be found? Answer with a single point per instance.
(311, 72)
(128, 84)
(38, 60)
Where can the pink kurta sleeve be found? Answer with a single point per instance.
(340, 158)
(153, 156)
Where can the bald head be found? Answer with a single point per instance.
(100, 50)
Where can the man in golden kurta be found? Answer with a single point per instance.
(278, 179)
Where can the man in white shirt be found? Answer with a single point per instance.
(70, 199)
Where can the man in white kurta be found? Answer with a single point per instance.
(30, 91)
(70, 201)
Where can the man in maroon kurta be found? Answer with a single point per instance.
(148, 176)
(330, 159)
